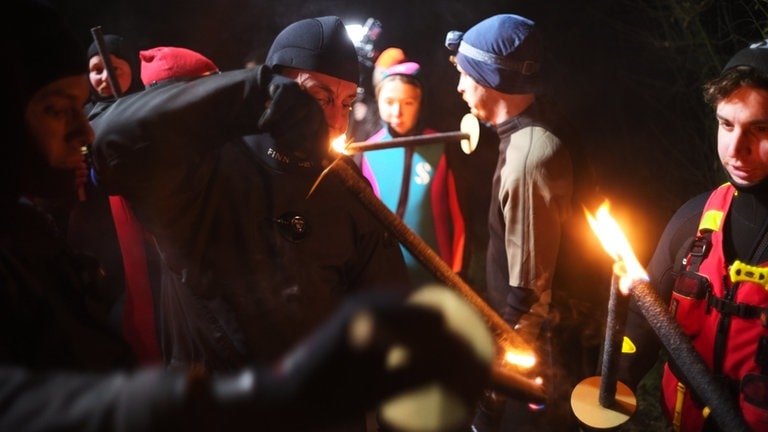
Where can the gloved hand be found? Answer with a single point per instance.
(373, 348)
(519, 302)
(293, 118)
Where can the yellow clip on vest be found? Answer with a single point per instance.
(740, 272)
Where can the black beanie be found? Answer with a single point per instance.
(755, 55)
(318, 45)
(43, 46)
(115, 45)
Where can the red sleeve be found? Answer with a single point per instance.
(139, 312)
(449, 225)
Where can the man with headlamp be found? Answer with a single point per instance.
(499, 61)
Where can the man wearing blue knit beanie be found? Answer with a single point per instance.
(500, 65)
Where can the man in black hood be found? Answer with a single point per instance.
(252, 263)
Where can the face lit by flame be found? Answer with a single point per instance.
(334, 95)
(616, 244)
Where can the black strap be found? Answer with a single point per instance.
(760, 248)
(761, 358)
(700, 249)
(741, 310)
(406, 182)
(681, 259)
(728, 308)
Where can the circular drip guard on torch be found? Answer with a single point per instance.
(587, 408)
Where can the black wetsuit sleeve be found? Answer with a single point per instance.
(662, 270)
(146, 401)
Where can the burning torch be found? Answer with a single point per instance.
(602, 402)
(515, 352)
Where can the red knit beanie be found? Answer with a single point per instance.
(162, 63)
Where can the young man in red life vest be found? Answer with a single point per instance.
(716, 286)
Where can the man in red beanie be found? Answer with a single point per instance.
(63, 369)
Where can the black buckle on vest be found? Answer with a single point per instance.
(741, 310)
(700, 246)
(698, 251)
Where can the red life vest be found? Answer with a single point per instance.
(726, 320)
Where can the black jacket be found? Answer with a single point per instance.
(242, 281)
(53, 308)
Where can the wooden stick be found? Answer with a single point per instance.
(444, 137)
(504, 378)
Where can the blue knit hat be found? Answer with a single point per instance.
(316, 44)
(502, 52)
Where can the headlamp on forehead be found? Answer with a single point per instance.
(452, 40)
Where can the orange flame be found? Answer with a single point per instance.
(608, 231)
(340, 144)
(524, 360)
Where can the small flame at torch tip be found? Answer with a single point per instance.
(340, 144)
(616, 244)
(520, 359)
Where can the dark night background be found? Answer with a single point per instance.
(628, 72)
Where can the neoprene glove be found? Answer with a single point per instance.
(519, 302)
(349, 366)
(293, 118)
